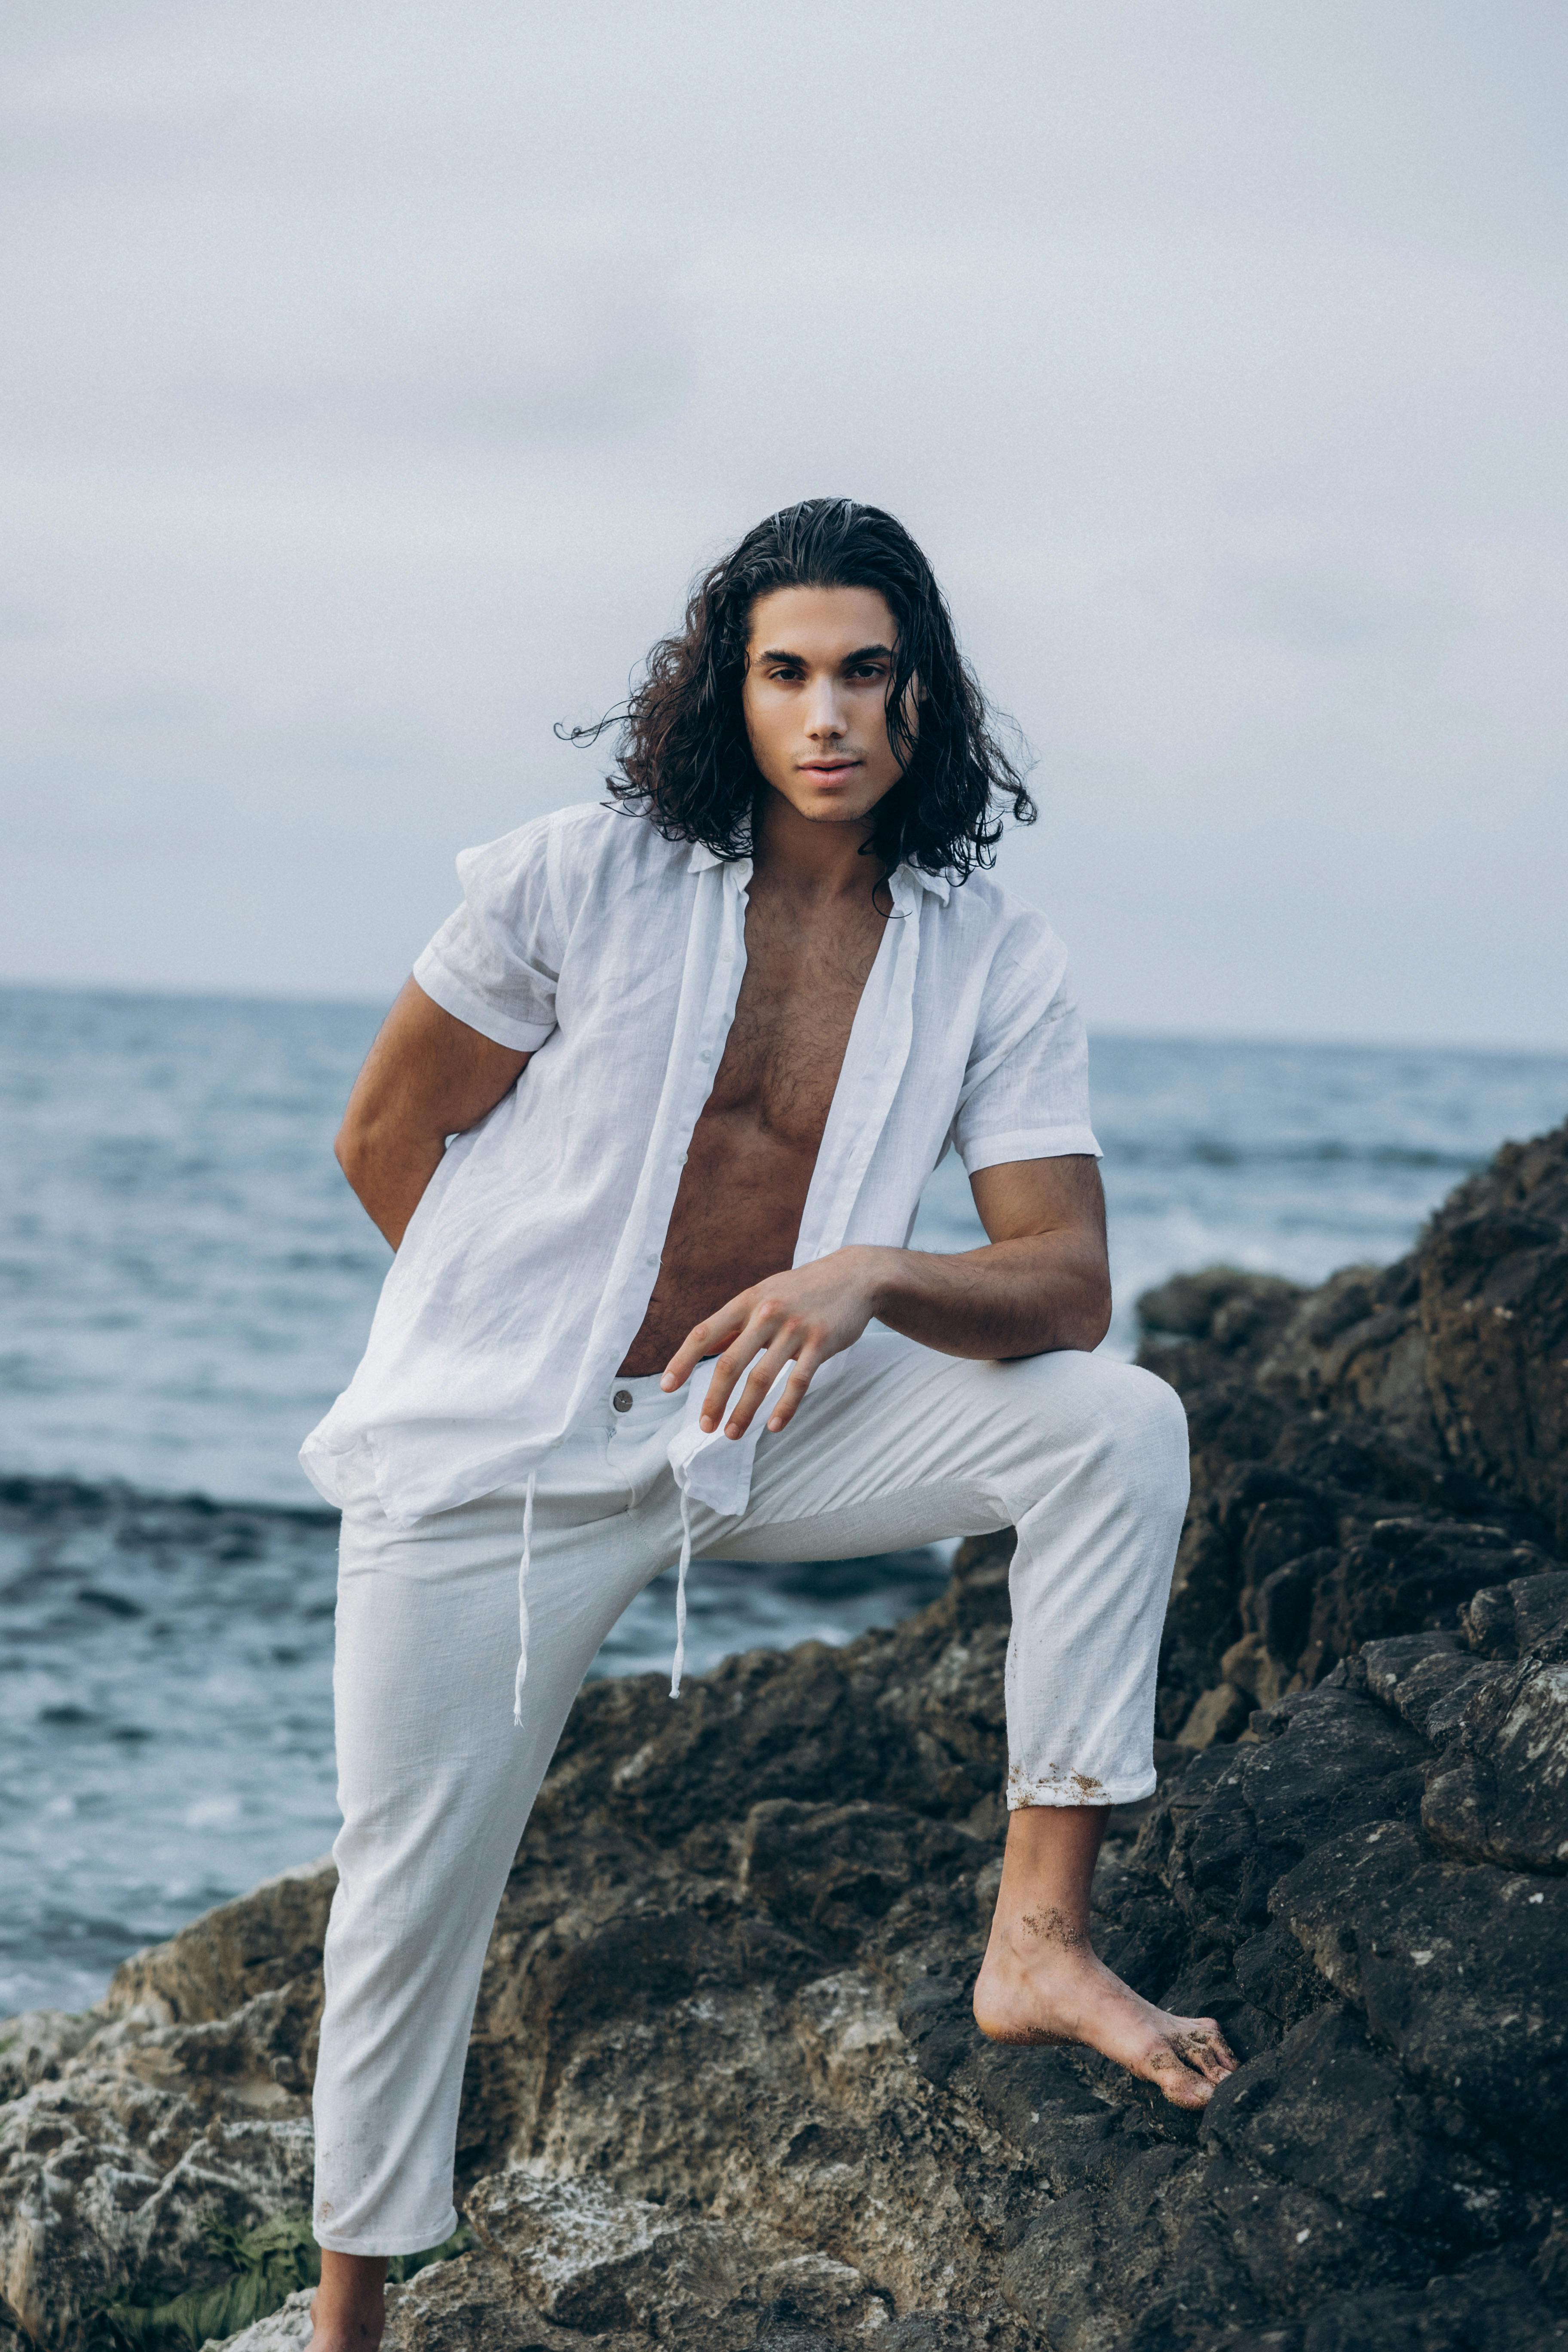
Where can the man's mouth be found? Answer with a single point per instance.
(827, 768)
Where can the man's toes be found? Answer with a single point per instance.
(1180, 2085)
(1215, 2044)
(1202, 2044)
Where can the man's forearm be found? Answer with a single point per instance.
(1040, 1284)
(389, 1175)
(1014, 1298)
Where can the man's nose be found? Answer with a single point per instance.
(824, 714)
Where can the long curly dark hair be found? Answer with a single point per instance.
(683, 755)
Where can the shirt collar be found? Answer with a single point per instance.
(911, 877)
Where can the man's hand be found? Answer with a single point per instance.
(809, 1314)
(1041, 1282)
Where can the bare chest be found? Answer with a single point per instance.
(742, 1192)
(797, 1004)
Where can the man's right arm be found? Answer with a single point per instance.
(427, 1076)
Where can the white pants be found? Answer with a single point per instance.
(1086, 1457)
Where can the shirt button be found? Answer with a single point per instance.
(622, 1399)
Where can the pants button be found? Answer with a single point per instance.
(622, 1399)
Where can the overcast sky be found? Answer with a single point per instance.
(373, 378)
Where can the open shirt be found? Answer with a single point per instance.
(615, 958)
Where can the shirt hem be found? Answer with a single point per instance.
(405, 1498)
(323, 1462)
(1029, 1143)
(438, 985)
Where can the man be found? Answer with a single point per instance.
(647, 1131)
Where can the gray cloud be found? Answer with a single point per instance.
(377, 378)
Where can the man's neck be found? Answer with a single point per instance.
(805, 857)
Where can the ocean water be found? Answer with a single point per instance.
(185, 1282)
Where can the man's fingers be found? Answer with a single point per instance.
(796, 1387)
(763, 1375)
(686, 1359)
(729, 1367)
(758, 1323)
(697, 1343)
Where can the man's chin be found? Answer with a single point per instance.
(837, 808)
(833, 808)
(837, 813)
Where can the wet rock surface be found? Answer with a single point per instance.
(725, 2088)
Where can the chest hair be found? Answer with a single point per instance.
(797, 1004)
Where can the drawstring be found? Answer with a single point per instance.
(679, 1666)
(680, 1594)
(522, 1599)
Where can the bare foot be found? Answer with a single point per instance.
(1041, 1981)
(348, 2311)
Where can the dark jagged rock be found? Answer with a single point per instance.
(725, 2088)
(1494, 1313)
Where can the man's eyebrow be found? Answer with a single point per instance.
(863, 653)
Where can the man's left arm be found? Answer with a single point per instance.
(1042, 1281)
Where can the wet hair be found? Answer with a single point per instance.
(683, 756)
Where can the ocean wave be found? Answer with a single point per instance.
(1143, 1151)
(35, 1499)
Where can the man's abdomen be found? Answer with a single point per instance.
(736, 1220)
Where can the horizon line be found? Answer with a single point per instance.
(1157, 1033)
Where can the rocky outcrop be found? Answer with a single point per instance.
(725, 2086)
(1369, 1454)
(1461, 1350)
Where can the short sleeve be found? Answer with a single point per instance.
(494, 964)
(1026, 1090)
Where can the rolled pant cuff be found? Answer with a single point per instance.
(388, 2243)
(1056, 1787)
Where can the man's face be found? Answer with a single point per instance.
(818, 662)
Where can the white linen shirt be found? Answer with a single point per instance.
(615, 958)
